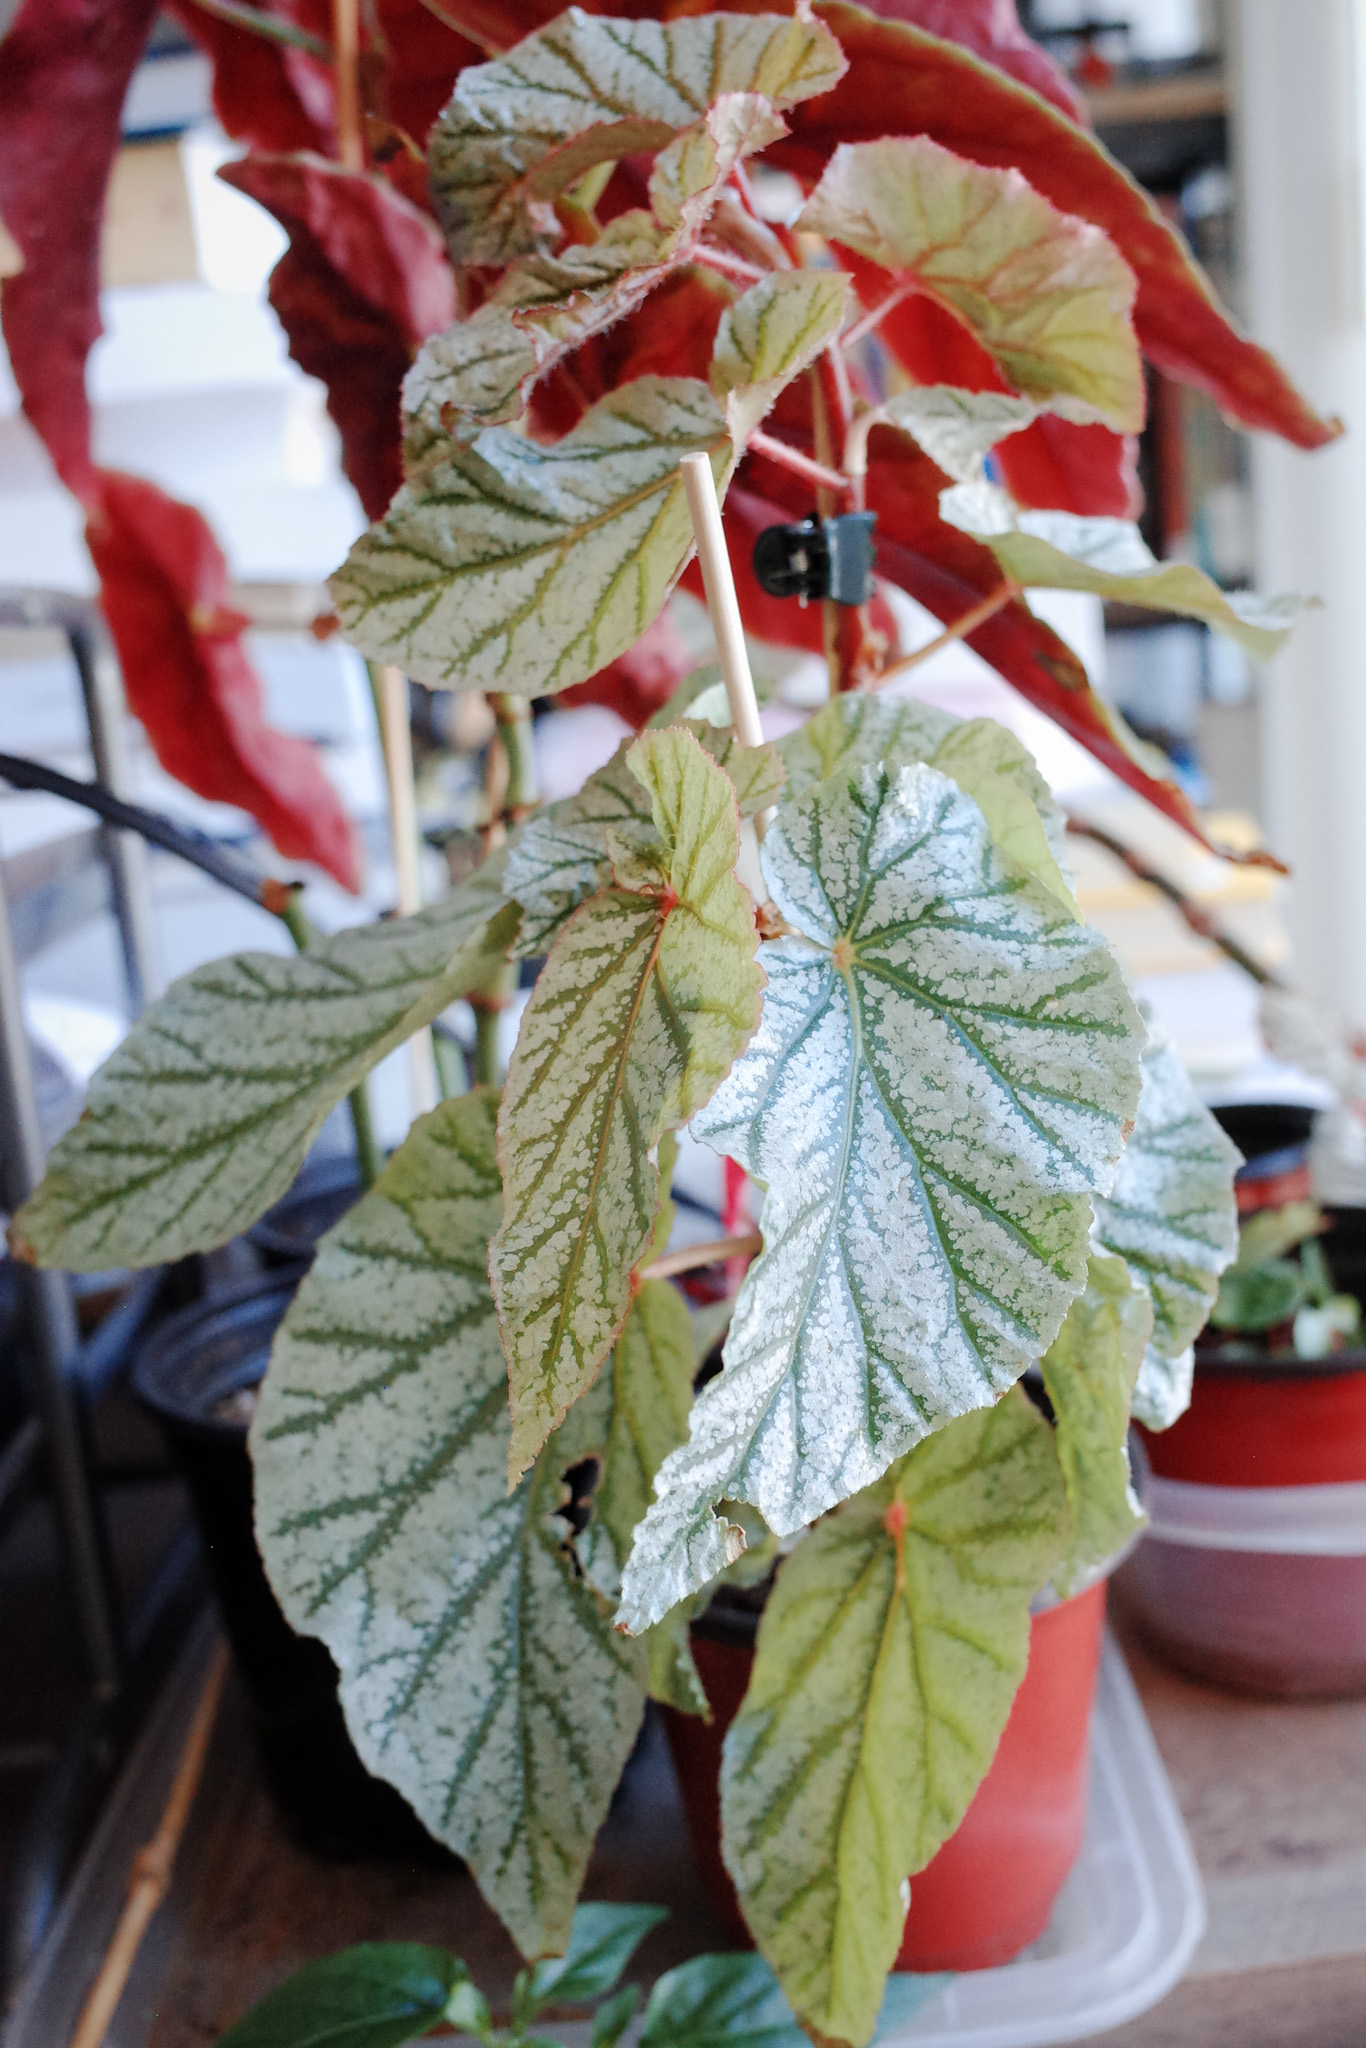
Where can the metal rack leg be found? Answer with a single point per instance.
(125, 854)
(48, 1299)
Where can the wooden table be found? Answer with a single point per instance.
(1274, 1797)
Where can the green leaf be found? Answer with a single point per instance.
(584, 90)
(1047, 294)
(648, 994)
(1089, 1372)
(940, 1081)
(561, 856)
(1271, 1233)
(888, 1657)
(479, 372)
(1258, 1297)
(202, 1117)
(652, 1374)
(505, 564)
(992, 767)
(769, 335)
(1066, 551)
(720, 2001)
(611, 2019)
(601, 1943)
(1172, 1217)
(985, 759)
(688, 176)
(957, 428)
(376, 1995)
(854, 731)
(453, 1610)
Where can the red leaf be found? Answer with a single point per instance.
(188, 678)
(365, 280)
(64, 69)
(1054, 463)
(902, 81)
(991, 30)
(1062, 466)
(639, 682)
(949, 572)
(266, 94)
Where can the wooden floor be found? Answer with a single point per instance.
(1274, 1797)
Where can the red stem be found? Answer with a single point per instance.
(816, 473)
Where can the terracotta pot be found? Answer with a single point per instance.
(1268, 1422)
(990, 1889)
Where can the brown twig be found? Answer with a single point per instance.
(1200, 921)
(960, 630)
(150, 1877)
(350, 125)
(709, 1254)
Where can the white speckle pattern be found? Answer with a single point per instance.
(929, 1124)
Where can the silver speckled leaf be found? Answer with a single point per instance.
(1171, 1216)
(480, 1672)
(505, 564)
(584, 90)
(201, 1118)
(940, 1082)
(561, 856)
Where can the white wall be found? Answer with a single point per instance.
(1297, 74)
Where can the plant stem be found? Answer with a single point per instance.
(258, 23)
(346, 66)
(368, 1161)
(1200, 921)
(709, 1254)
(188, 845)
(818, 473)
(389, 687)
(960, 630)
(728, 265)
(872, 319)
(488, 1006)
(514, 730)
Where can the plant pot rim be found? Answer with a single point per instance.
(156, 1376)
(1277, 1366)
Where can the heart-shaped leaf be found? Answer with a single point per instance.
(201, 1118)
(583, 91)
(648, 994)
(508, 565)
(376, 1995)
(1048, 295)
(945, 1065)
(888, 1657)
(1089, 1371)
(380, 1449)
(1172, 1217)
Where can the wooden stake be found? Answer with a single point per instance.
(151, 1872)
(396, 738)
(346, 78)
(723, 606)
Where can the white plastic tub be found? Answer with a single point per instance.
(1258, 1587)
(1126, 1923)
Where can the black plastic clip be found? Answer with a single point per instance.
(815, 558)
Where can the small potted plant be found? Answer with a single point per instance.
(1256, 1569)
(484, 1475)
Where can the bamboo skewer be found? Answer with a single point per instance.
(150, 1877)
(724, 607)
(396, 739)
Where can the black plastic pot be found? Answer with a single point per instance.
(323, 1191)
(198, 1375)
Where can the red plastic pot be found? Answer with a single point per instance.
(1255, 1424)
(990, 1889)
